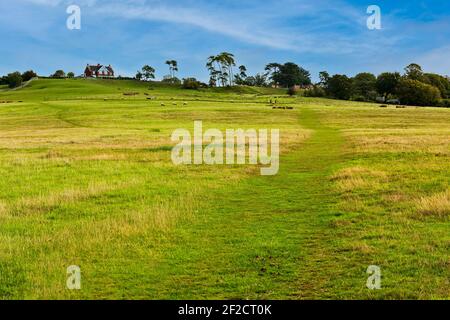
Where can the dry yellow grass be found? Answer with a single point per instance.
(34, 205)
(350, 179)
(405, 140)
(3, 208)
(436, 205)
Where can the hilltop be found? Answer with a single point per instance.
(73, 89)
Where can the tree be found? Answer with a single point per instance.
(414, 72)
(316, 91)
(14, 79)
(213, 72)
(340, 87)
(364, 86)
(71, 75)
(243, 72)
(28, 75)
(273, 71)
(228, 62)
(440, 82)
(387, 83)
(191, 83)
(290, 74)
(260, 80)
(139, 76)
(170, 80)
(239, 79)
(413, 92)
(324, 78)
(59, 74)
(148, 73)
(173, 67)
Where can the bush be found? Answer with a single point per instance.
(364, 87)
(340, 87)
(315, 92)
(59, 74)
(28, 75)
(413, 92)
(14, 80)
(173, 80)
(191, 84)
(358, 98)
(292, 91)
(444, 103)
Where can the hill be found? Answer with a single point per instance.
(87, 180)
(73, 89)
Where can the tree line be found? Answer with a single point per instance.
(413, 87)
(16, 79)
(223, 73)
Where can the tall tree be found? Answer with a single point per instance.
(414, 72)
(213, 73)
(240, 78)
(289, 74)
(324, 78)
(173, 67)
(228, 62)
(273, 70)
(14, 79)
(340, 87)
(387, 83)
(148, 72)
(220, 68)
(28, 75)
(364, 86)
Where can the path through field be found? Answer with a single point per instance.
(266, 239)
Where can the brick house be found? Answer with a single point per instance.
(99, 71)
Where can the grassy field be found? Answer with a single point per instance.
(87, 180)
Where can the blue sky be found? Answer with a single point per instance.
(318, 35)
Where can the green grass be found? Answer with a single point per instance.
(87, 180)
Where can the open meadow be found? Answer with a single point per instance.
(87, 179)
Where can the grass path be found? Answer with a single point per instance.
(264, 238)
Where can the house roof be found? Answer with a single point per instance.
(96, 68)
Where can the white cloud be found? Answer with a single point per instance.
(250, 22)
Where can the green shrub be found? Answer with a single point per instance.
(413, 92)
(444, 103)
(14, 79)
(191, 84)
(28, 75)
(294, 90)
(315, 92)
(174, 81)
(340, 87)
